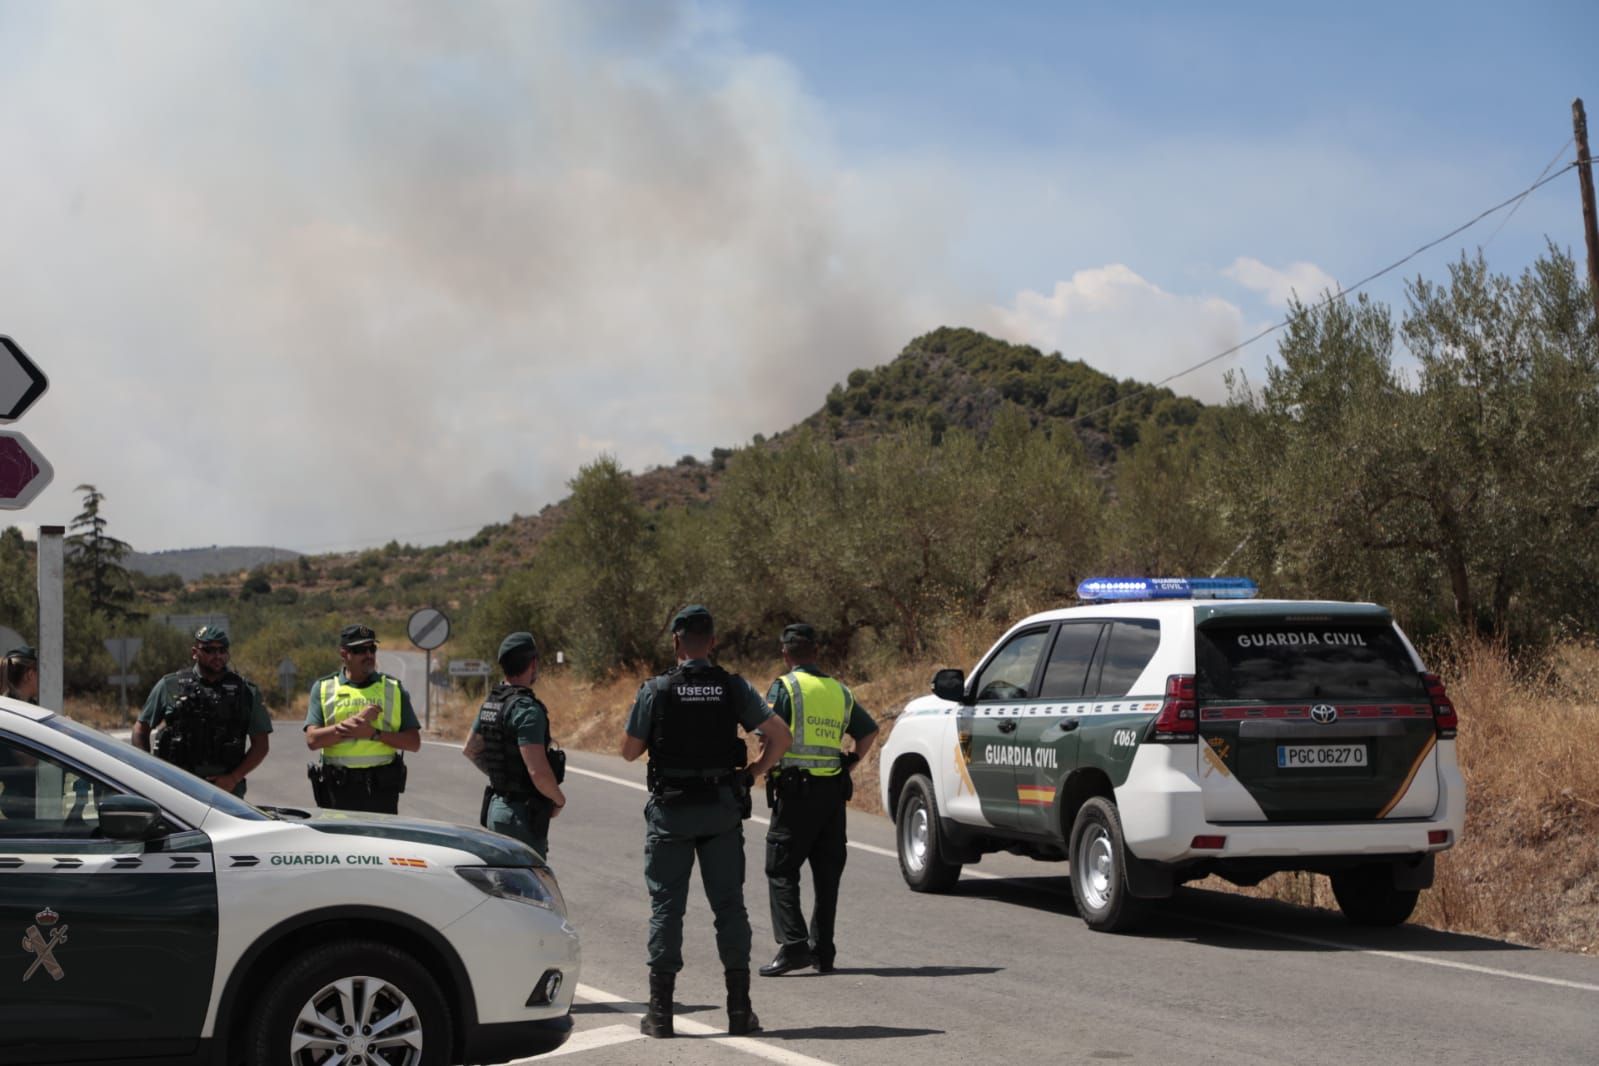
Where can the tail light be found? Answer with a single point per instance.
(1178, 719)
(1443, 711)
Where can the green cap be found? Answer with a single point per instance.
(210, 635)
(693, 619)
(24, 653)
(356, 635)
(516, 642)
(799, 633)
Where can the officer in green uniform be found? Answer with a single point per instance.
(360, 720)
(510, 742)
(808, 793)
(207, 715)
(688, 721)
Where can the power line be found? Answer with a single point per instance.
(1523, 197)
(1340, 294)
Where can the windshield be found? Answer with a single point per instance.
(1274, 660)
(165, 772)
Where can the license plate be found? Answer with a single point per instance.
(1314, 756)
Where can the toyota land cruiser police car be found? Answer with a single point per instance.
(147, 916)
(1172, 728)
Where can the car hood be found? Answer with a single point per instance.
(492, 848)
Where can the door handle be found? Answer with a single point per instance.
(1007, 725)
(1068, 724)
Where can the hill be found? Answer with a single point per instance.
(191, 564)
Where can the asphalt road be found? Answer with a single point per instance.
(1001, 970)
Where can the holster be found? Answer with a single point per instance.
(390, 777)
(483, 811)
(743, 787)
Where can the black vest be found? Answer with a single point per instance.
(694, 726)
(204, 731)
(502, 755)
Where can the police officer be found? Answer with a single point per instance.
(808, 793)
(510, 742)
(688, 721)
(360, 720)
(19, 674)
(207, 714)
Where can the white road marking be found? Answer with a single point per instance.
(1403, 956)
(748, 1044)
(587, 1040)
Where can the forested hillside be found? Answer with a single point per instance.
(1443, 460)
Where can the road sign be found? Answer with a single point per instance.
(23, 471)
(470, 668)
(122, 679)
(428, 628)
(21, 383)
(286, 675)
(123, 650)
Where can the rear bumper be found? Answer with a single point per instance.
(1162, 810)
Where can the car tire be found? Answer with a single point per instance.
(374, 983)
(1099, 869)
(1367, 896)
(921, 851)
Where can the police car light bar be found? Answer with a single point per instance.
(1100, 589)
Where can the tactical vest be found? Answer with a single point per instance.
(340, 699)
(694, 728)
(502, 754)
(204, 729)
(819, 708)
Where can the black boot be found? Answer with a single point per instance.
(789, 957)
(741, 1017)
(658, 1021)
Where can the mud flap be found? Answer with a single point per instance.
(1413, 874)
(1145, 879)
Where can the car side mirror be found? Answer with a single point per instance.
(128, 817)
(950, 684)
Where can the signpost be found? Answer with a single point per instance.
(123, 650)
(286, 675)
(470, 668)
(428, 628)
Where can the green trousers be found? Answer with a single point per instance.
(675, 835)
(525, 818)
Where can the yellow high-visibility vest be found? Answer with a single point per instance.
(341, 699)
(820, 709)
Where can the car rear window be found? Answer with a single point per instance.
(1269, 660)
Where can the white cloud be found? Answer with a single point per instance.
(1306, 281)
(1123, 325)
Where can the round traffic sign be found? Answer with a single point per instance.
(428, 628)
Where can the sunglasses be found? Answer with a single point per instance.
(362, 649)
(213, 649)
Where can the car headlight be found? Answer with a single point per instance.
(525, 884)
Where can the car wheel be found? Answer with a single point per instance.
(1367, 896)
(356, 1002)
(921, 858)
(1098, 869)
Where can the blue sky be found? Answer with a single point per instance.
(321, 276)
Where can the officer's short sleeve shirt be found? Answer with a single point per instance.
(156, 705)
(159, 704)
(752, 710)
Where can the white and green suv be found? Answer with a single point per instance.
(1169, 729)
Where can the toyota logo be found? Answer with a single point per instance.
(1324, 713)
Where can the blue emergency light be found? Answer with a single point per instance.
(1103, 589)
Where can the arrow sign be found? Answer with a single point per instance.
(23, 471)
(21, 383)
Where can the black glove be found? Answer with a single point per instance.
(849, 759)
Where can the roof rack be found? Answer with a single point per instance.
(1107, 589)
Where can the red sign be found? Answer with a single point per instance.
(23, 471)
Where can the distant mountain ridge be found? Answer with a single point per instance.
(191, 564)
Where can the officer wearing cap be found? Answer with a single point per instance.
(360, 720)
(688, 721)
(206, 715)
(19, 676)
(510, 742)
(808, 794)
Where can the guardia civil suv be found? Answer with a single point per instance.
(147, 916)
(1168, 729)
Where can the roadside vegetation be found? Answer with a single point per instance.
(1442, 460)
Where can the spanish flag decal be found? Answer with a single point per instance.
(1035, 795)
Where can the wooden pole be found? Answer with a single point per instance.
(1590, 227)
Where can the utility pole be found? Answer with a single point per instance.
(1590, 227)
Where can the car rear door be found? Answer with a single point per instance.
(1048, 730)
(107, 947)
(1310, 715)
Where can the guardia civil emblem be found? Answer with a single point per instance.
(41, 941)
